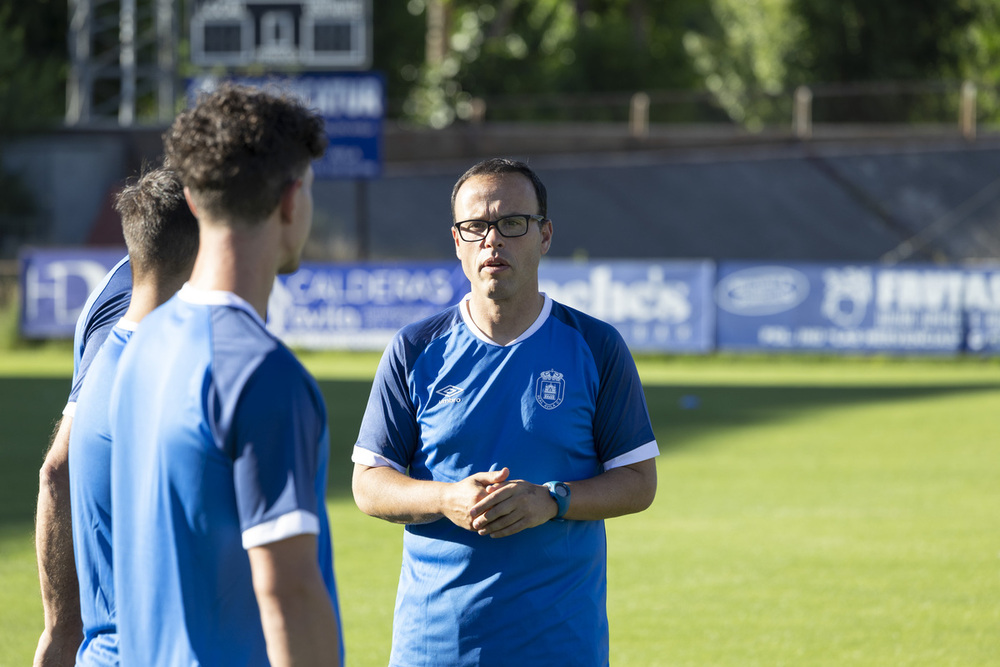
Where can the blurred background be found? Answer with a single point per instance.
(773, 130)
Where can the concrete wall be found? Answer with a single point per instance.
(695, 192)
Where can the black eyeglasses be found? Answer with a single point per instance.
(509, 227)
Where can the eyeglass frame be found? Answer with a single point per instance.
(496, 224)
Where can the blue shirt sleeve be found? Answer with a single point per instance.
(389, 427)
(621, 417)
(278, 444)
(104, 307)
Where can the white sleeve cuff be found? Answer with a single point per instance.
(367, 457)
(641, 453)
(299, 522)
(70, 410)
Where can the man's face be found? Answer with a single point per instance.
(501, 268)
(298, 231)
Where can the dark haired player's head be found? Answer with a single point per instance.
(238, 149)
(160, 231)
(500, 166)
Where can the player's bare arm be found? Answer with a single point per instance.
(519, 505)
(390, 495)
(54, 547)
(300, 627)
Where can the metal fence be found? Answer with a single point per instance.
(949, 106)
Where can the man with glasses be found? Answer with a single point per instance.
(502, 432)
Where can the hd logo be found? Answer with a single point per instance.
(550, 389)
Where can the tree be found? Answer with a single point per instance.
(31, 82)
(30, 87)
(743, 55)
(536, 49)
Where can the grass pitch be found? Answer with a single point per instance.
(810, 512)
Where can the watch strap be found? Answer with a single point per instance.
(561, 494)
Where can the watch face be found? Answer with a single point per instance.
(561, 490)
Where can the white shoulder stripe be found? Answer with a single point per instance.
(641, 453)
(299, 522)
(366, 457)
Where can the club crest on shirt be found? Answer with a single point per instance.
(550, 389)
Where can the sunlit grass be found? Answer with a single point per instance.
(810, 511)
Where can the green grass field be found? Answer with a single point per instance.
(810, 511)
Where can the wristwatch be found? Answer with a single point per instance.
(560, 493)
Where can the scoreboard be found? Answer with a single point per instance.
(310, 34)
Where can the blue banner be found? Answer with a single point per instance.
(359, 306)
(657, 306)
(55, 285)
(857, 308)
(352, 105)
(666, 306)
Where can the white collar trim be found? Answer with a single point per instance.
(203, 297)
(463, 308)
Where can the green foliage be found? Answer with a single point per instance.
(531, 59)
(743, 57)
(31, 84)
(531, 51)
(755, 52)
(861, 40)
(30, 98)
(398, 38)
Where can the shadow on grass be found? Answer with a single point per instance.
(681, 414)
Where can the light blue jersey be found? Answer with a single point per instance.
(90, 501)
(562, 402)
(221, 445)
(104, 307)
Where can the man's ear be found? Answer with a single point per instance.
(288, 200)
(458, 241)
(546, 236)
(190, 201)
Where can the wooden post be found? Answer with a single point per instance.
(967, 111)
(638, 116)
(436, 39)
(802, 113)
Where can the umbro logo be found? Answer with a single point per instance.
(450, 394)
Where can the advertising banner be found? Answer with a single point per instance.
(661, 306)
(657, 306)
(359, 306)
(352, 105)
(685, 307)
(857, 308)
(55, 285)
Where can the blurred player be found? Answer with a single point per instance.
(57, 577)
(162, 239)
(222, 551)
(507, 416)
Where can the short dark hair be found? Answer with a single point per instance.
(496, 166)
(239, 147)
(160, 231)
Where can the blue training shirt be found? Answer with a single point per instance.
(90, 502)
(221, 445)
(104, 307)
(562, 402)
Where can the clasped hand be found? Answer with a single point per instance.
(490, 505)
